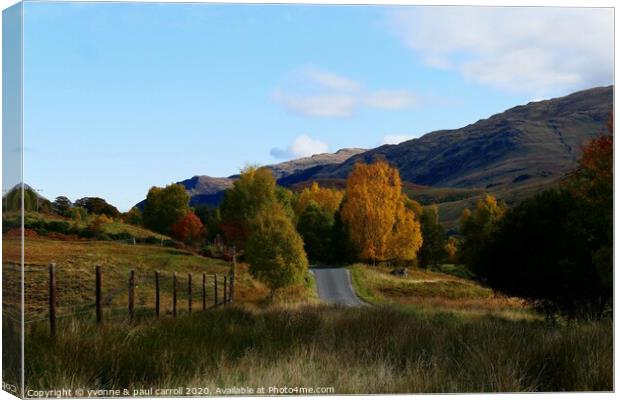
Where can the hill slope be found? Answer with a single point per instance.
(528, 144)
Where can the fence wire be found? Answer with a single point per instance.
(76, 292)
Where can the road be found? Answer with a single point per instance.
(334, 286)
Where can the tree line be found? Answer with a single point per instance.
(555, 248)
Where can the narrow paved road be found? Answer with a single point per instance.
(334, 286)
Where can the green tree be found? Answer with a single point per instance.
(544, 250)
(432, 251)
(165, 207)
(62, 206)
(133, 216)
(98, 206)
(274, 250)
(315, 226)
(13, 199)
(211, 218)
(343, 248)
(254, 191)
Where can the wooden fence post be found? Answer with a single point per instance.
(156, 294)
(98, 293)
(225, 298)
(232, 275)
(204, 291)
(189, 292)
(231, 288)
(132, 284)
(215, 289)
(52, 298)
(174, 294)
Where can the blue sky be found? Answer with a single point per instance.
(119, 97)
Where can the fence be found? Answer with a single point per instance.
(52, 293)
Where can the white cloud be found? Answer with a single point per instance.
(331, 81)
(390, 99)
(320, 93)
(302, 146)
(396, 139)
(320, 105)
(532, 50)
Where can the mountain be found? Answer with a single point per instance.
(513, 155)
(287, 168)
(525, 145)
(204, 189)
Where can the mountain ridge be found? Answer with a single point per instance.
(522, 150)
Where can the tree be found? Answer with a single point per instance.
(13, 199)
(432, 251)
(327, 199)
(211, 218)
(477, 228)
(254, 191)
(165, 207)
(98, 206)
(62, 206)
(315, 226)
(451, 249)
(343, 248)
(188, 229)
(380, 225)
(543, 250)
(133, 216)
(406, 237)
(274, 250)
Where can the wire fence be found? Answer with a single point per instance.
(53, 292)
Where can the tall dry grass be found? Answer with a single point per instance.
(364, 350)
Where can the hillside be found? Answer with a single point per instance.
(525, 145)
(513, 154)
(204, 189)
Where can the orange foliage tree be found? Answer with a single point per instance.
(380, 225)
(189, 229)
(327, 199)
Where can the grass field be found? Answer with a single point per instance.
(358, 350)
(75, 265)
(434, 291)
(429, 332)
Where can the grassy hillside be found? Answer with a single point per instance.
(365, 350)
(75, 265)
(430, 291)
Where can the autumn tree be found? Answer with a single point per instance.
(254, 191)
(165, 207)
(380, 225)
(326, 198)
(432, 251)
(451, 249)
(188, 229)
(274, 249)
(592, 184)
(477, 228)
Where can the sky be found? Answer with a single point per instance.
(119, 97)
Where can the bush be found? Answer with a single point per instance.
(275, 251)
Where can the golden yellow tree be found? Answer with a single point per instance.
(380, 225)
(327, 199)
